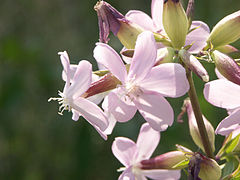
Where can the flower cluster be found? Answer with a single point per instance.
(159, 55)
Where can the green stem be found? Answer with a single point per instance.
(198, 115)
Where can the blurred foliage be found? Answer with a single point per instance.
(35, 142)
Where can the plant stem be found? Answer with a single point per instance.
(198, 115)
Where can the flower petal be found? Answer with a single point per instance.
(121, 110)
(156, 110)
(81, 80)
(147, 142)
(124, 150)
(198, 36)
(157, 11)
(141, 19)
(229, 124)
(72, 70)
(108, 57)
(236, 132)
(127, 175)
(144, 56)
(162, 174)
(91, 112)
(66, 68)
(168, 79)
(222, 93)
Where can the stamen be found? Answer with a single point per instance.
(62, 101)
(121, 169)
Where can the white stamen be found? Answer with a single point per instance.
(62, 101)
(121, 169)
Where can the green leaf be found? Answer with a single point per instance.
(230, 165)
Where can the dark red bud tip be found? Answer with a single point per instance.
(108, 20)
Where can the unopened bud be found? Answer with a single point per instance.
(165, 55)
(175, 22)
(226, 31)
(109, 19)
(128, 33)
(227, 66)
(164, 161)
(227, 49)
(194, 65)
(194, 131)
(190, 12)
(209, 169)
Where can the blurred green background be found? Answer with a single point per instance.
(35, 142)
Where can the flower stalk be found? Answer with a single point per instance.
(198, 115)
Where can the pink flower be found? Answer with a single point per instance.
(144, 86)
(197, 37)
(130, 154)
(76, 85)
(225, 94)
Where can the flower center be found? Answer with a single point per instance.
(63, 102)
(132, 90)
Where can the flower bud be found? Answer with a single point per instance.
(164, 161)
(192, 63)
(227, 49)
(175, 22)
(194, 131)
(109, 19)
(227, 66)
(226, 31)
(209, 169)
(165, 55)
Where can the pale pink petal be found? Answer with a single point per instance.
(127, 175)
(160, 174)
(222, 93)
(168, 79)
(66, 68)
(121, 110)
(124, 150)
(236, 132)
(108, 57)
(140, 177)
(112, 123)
(155, 110)
(147, 142)
(90, 111)
(197, 37)
(157, 10)
(81, 80)
(141, 19)
(101, 133)
(229, 124)
(72, 70)
(144, 56)
(75, 115)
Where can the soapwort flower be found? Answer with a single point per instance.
(143, 87)
(130, 154)
(76, 85)
(225, 94)
(197, 37)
